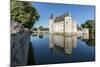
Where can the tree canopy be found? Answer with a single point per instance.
(89, 24)
(24, 13)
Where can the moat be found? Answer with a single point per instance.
(50, 49)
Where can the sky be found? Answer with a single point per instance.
(80, 13)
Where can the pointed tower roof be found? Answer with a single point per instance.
(51, 16)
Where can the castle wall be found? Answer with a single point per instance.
(85, 30)
(68, 25)
(58, 27)
(62, 25)
(51, 21)
(74, 27)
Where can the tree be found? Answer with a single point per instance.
(84, 26)
(89, 24)
(41, 28)
(24, 13)
(78, 27)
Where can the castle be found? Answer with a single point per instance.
(62, 25)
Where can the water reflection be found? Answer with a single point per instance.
(85, 36)
(53, 48)
(47, 48)
(40, 35)
(63, 43)
(89, 40)
(67, 43)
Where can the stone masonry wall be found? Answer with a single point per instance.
(20, 39)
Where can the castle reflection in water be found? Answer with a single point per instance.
(72, 48)
(65, 43)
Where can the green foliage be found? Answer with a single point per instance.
(90, 42)
(89, 24)
(79, 28)
(24, 12)
(41, 27)
(84, 26)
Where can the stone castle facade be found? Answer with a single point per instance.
(63, 24)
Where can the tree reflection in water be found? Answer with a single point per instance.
(90, 41)
(65, 44)
(40, 35)
(53, 46)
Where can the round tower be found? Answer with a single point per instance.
(51, 24)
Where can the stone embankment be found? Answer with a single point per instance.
(20, 39)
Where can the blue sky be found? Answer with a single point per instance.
(80, 13)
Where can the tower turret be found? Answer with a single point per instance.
(51, 24)
(51, 17)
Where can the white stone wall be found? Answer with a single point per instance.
(68, 26)
(74, 26)
(58, 27)
(51, 21)
(85, 30)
